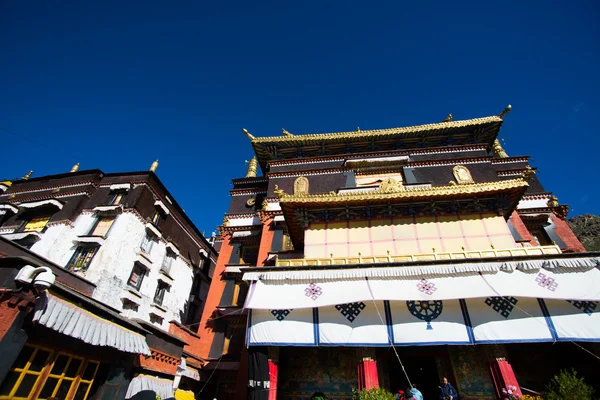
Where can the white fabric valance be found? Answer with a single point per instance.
(162, 206)
(300, 274)
(9, 207)
(430, 322)
(67, 318)
(120, 186)
(162, 387)
(558, 283)
(35, 204)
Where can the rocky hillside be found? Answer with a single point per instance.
(587, 229)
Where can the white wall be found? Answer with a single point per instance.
(111, 266)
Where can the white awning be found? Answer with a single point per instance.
(162, 206)
(71, 320)
(120, 186)
(99, 240)
(35, 204)
(162, 387)
(108, 210)
(484, 320)
(32, 236)
(9, 207)
(241, 234)
(548, 279)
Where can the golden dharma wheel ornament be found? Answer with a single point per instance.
(250, 202)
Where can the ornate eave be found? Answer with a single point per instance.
(302, 209)
(466, 132)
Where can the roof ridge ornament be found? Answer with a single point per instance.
(286, 133)
(28, 175)
(528, 173)
(252, 167)
(448, 118)
(506, 111)
(153, 166)
(75, 168)
(248, 134)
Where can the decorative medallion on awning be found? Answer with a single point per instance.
(71, 320)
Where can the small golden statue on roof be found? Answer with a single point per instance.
(553, 202)
(285, 133)
(279, 192)
(528, 173)
(390, 185)
(448, 118)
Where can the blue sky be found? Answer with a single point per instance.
(114, 85)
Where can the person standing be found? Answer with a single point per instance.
(448, 391)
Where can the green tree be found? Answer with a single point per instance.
(372, 394)
(568, 386)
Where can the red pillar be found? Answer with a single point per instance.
(367, 374)
(266, 238)
(206, 331)
(503, 377)
(273, 373)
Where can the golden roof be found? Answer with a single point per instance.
(402, 194)
(402, 131)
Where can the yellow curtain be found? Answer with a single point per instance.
(184, 395)
(36, 224)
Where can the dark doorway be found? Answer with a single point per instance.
(420, 365)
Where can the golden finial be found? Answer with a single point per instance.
(248, 134)
(506, 111)
(75, 168)
(153, 166)
(553, 202)
(528, 173)
(358, 129)
(28, 175)
(225, 221)
(448, 118)
(285, 133)
(498, 150)
(252, 166)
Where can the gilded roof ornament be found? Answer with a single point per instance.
(279, 192)
(286, 133)
(553, 202)
(225, 221)
(528, 173)
(448, 118)
(265, 205)
(153, 166)
(506, 111)
(75, 168)
(462, 175)
(28, 175)
(498, 150)
(301, 186)
(252, 167)
(390, 185)
(248, 134)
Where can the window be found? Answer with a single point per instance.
(82, 258)
(167, 262)
(147, 243)
(37, 224)
(240, 291)
(156, 218)
(159, 295)
(137, 276)
(116, 198)
(102, 226)
(233, 339)
(249, 255)
(287, 241)
(52, 374)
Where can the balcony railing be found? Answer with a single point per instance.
(460, 255)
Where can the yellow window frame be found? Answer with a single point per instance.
(46, 372)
